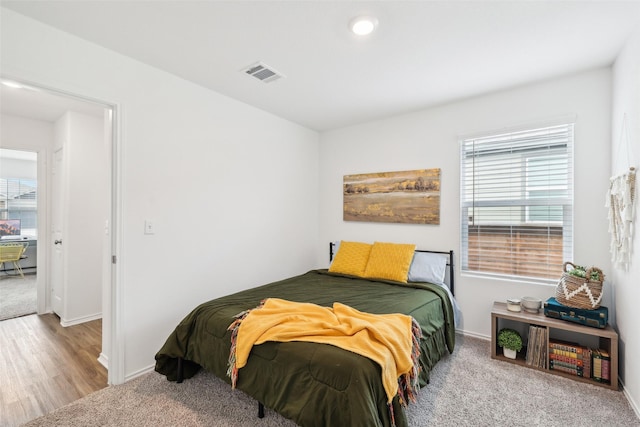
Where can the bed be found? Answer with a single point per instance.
(317, 384)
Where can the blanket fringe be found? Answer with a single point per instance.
(392, 415)
(408, 384)
(232, 369)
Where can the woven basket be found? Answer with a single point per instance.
(580, 292)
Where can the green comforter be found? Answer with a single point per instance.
(313, 384)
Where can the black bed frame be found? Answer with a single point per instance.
(180, 368)
(449, 262)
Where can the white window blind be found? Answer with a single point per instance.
(18, 200)
(516, 202)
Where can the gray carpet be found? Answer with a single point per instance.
(467, 388)
(18, 296)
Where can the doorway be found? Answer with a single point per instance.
(66, 116)
(18, 233)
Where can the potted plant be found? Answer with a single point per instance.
(510, 341)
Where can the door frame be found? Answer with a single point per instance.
(55, 271)
(112, 276)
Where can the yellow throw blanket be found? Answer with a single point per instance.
(391, 340)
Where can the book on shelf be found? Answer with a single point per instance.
(567, 348)
(586, 359)
(543, 359)
(601, 366)
(569, 368)
(575, 361)
(568, 357)
(537, 347)
(530, 346)
(580, 360)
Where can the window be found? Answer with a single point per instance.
(516, 200)
(18, 200)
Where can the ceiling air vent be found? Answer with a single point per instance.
(263, 72)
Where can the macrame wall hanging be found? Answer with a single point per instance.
(621, 203)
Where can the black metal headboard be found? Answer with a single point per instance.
(449, 263)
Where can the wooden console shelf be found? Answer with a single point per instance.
(608, 339)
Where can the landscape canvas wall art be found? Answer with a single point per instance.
(408, 197)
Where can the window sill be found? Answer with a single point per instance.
(511, 279)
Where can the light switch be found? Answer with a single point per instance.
(149, 228)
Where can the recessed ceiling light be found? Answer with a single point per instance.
(363, 25)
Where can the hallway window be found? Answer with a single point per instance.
(19, 189)
(18, 201)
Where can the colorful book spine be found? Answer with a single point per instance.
(597, 366)
(568, 368)
(586, 358)
(566, 349)
(580, 361)
(567, 359)
(601, 366)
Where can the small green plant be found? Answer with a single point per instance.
(580, 271)
(510, 339)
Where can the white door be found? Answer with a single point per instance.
(57, 254)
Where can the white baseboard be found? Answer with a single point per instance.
(634, 405)
(139, 373)
(103, 360)
(473, 334)
(78, 320)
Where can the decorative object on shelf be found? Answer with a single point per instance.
(537, 347)
(531, 304)
(597, 318)
(580, 287)
(513, 304)
(510, 341)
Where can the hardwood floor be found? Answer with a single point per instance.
(44, 366)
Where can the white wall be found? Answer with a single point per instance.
(429, 139)
(19, 133)
(18, 168)
(231, 189)
(626, 102)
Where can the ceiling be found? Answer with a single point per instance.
(423, 53)
(43, 105)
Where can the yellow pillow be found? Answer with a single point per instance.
(351, 258)
(390, 261)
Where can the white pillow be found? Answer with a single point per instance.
(428, 267)
(336, 246)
